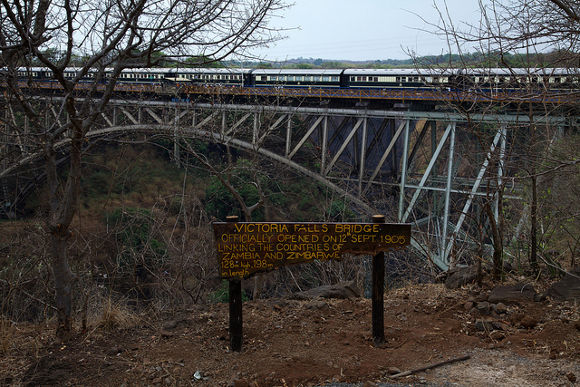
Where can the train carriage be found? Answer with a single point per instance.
(297, 77)
(514, 78)
(396, 78)
(227, 76)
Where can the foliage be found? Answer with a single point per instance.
(202, 61)
(220, 202)
(340, 211)
(135, 237)
(470, 59)
(222, 294)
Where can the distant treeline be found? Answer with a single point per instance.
(489, 60)
(477, 59)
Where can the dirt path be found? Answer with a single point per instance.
(292, 343)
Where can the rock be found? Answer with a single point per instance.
(483, 325)
(317, 305)
(468, 305)
(500, 326)
(281, 304)
(341, 290)
(164, 333)
(114, 351)
(240, 383)
(497, 335)
(540, 297)
(169, 325)
(460, 276)
(512, 293)
(568, 288)
(483, 307)
(491, 325)
(515, 318)
(393, 370)
(528, 322)
(500, 308)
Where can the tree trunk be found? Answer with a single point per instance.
(534, 225)
(497, 236)
(63, 281)
(63, 200)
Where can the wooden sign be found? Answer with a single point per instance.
(247, 248)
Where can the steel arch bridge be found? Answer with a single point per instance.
(412, 166)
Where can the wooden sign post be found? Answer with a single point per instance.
(378, 276)
(235, 300)
(247, 248)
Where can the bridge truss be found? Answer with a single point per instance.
(432, 169)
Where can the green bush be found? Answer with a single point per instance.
(135, 240)
(222, 294)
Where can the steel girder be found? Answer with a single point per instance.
(382, 161)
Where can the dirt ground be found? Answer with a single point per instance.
(315, 342)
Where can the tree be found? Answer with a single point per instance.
(113, 35)
(537, 36)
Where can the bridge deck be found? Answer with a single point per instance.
(449, 95)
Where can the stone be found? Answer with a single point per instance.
(500, 308)
(393, 370)
(460, 276)
(343, 290)
(528, 322)
(515, 318)
(317, 305)
(483, 325)
(497, 335)
(540, 297)
(483, 307)
(114, 351)
(512, 293)
(166, 334)
(490, 325)
(568, 288)
(500, 326)
(169, 325)
(468, 305)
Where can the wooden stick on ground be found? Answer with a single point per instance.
(430, 366)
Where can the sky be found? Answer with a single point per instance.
(363, 29)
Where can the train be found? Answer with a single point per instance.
(449, 79)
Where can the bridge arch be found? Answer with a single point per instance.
(399, 138)
(208, 136)
(218, 138)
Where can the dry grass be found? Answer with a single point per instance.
(6, 336)
(115, 315)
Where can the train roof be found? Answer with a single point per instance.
(391, 72)
(297, 71)
(470, 71)
(519, 71)
(205, 70)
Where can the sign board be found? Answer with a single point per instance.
(247, 248)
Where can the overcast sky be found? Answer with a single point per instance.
(363, 29)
